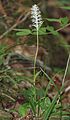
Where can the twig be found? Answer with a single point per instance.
(59, 29)
(63, 27)
(19, 21)
(8, 96)
(15, 25)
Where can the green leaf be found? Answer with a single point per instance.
(24, 32)
(23, 109)
(30, 96)
(40, 93)
(53, 19)
(52, 30)
(41, 31)
(64, 21)
(37, 74)
(2, 48)
(66, 7)
(33, 105)
(66, 117)
(29, 93)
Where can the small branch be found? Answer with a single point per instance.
(59, 29)
(16, 24)
(8, 97)
(19, 21)
(63, 27)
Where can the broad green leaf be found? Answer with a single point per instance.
(64, 21)
(41, 31)
(55, 33)
(52, 30)
(66, 7)
(23, 109)
(66, 117)
(66, 46)
(24, 32)
(53, 19)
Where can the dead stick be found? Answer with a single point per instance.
(15, 25)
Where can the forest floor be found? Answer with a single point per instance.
(18, 52)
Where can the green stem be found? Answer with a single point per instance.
(35, 65)
(36, 57)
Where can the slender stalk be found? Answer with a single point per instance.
(65, 73)
(36, 56)
(8, 97)
(37, 22)
(35, 64)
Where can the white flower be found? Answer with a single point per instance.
(36, 16)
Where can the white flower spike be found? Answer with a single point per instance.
(36, 16)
